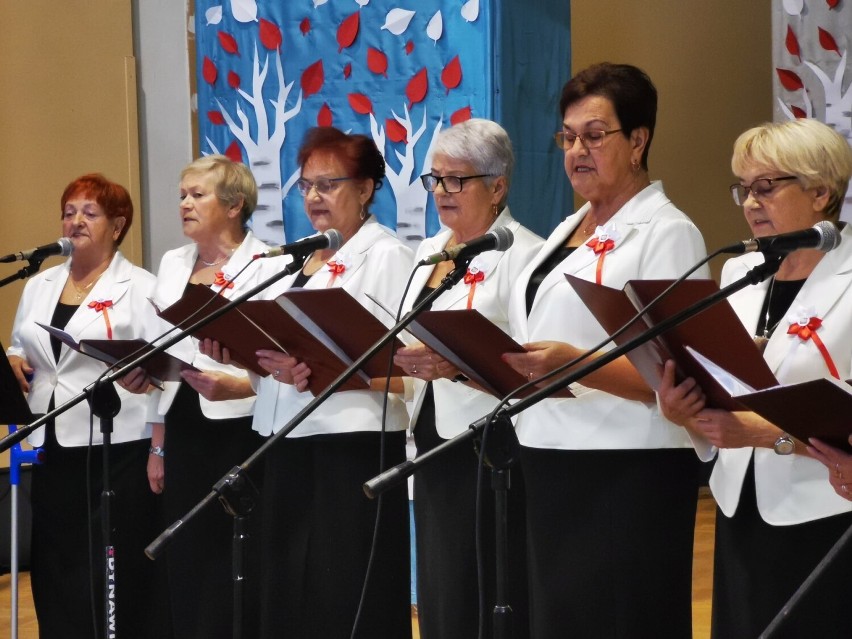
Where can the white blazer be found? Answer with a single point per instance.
(127, 286)
(457, 405)
(792, 489)
(376, 263)
(656, 241)
(175, 271)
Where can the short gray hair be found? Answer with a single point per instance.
(483, 144)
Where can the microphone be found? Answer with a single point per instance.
(823, 236)
(331, 239)
(63, 246)
(498, 239)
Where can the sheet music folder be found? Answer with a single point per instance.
(473, 344)
(716, 333)
(162, 367)
(325, 328)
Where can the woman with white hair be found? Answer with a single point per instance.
(469, 179)
(778, 516)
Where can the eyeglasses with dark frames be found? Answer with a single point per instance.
(322, 185)
(592, 139)
(450, 183)
(761, 188)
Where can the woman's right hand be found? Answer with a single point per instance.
(22, 369)
(215, 351)
(284, 368)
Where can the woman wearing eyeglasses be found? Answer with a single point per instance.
(469, 179)
(778, 515)
(611, 485)
(318, 525)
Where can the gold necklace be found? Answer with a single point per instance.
(81, 292)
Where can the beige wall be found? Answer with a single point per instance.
(69, 107)
(711, 63)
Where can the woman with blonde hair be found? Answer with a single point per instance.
(778, 516)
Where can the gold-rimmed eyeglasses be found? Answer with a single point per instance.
(760, 189)
(591, 139)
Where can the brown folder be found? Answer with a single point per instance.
(162, 367)
(325, 328)
(716, 333)
(474, 345)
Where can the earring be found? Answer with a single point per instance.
(363, 214)
(634, 164)
(494, 211)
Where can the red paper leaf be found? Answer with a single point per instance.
(396, 132)
(228, 43)
(313, 78)
(360, 103)
(798, 112)
(377, 62)
(305, 27)
(452, 74)
(233, 80)
(347, 31)
(417, 87)
(409, 47)
(347, 70)
(789, 80)
(209, 71)
(270, 34)
(215, 117)
(793, 43)
(234, 152)
(827, 41)
(324, 117)
(461, 115)
(832, 3)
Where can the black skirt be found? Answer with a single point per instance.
(610, 535)
(199, 452)
(317, 533)
(445, 525)
(65, 569)
(758, 567)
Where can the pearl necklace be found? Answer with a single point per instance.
(217, 262)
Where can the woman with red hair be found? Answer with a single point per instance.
(95, 294)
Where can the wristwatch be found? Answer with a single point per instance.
(157, 450)
(784, 445)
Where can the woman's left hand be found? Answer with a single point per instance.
(215, 386)
(541, 358)
(215, 351)
(839, 464)
(420, 361)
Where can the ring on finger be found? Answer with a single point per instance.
(414, 369)
(276, 373)
(844, 488)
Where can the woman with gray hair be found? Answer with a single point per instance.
(778, 515)
(469, 179)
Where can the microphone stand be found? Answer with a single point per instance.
(236, 477)
(34, 264)
(501, 417)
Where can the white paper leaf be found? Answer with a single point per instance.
(244, 10)
(470, 10)
(435, 27)
(214, 15)
(319, 3)
(362, 3)
(397, 20)
(794, 7)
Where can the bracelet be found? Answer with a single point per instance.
(157, 450)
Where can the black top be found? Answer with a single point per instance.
(779, 298)
(543, 270)
(61, 316)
